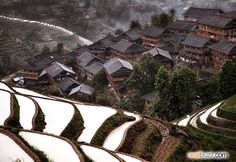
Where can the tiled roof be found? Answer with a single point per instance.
(134, 34)
(201, 12)
(83, 88)
(150, 96)
(116, 64)
(225, 47)
(153, 31)
(195, 41)
(55, 69)
(216, 21)
(157, 51)
(67, 82)
(182, 25)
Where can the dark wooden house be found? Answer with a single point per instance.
(195, 13)
(67, 84)
(118, 72)
(195, 50)
(222, 51)
(82, 92)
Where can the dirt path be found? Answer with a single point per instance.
(167, 146)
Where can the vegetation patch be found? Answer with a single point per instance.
(75, 127)
(39, 119)
(86, 158)
(153, 140)
(132, 135)
(212, 141)
(14, 121)
(111, 123)
(230, 104)
(41, 155)
(226, 114)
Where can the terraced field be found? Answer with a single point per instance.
(48, 128)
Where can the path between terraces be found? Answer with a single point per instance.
(167, 146)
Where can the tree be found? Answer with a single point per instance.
(118, 32)
(100, 80)
(227, 79)
(104, 99)
(60, 48)
(135, 24)
(161, 20)
(143, 75)
(175, 93)
(134, 101)
(208, 91)
(45, 50)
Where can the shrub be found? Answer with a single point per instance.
(14, 121)
(39, 119)
(112, 122)
(75, 127)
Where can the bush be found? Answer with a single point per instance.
(104, 99)
(75, 127)
(39, 119)
(14, 121)
(112, 122)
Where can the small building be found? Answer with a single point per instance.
(57, 72)
(195, 14)
(152, 37)
(217, 27)
(118, 71)
(222, 51)
(125, 49)
(161, 56)
(82, 92)
(89, 65)
(133, 35)
(182, 27)
(67, 84)
(100, 47)
(149, 99)
(195, 50)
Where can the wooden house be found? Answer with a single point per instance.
(118, 72)
(57, 72)
(125, 49)
(152, 37)
(195, 50)
(67, 84)
(89, 65)
(161, 56)
(82, 92)
(217, 27)
(195, 13)
(222, 51)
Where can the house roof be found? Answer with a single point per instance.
(225, 47)
(94, 67)
(116, 64)
(195, 41)
(55, 69)
(231, 14)
(150, 96)
(182, 25)
(67, 82)
(216, 21)
(134, 34)
(103, 43)
(125, 46)
(198, 13)
(157, 51)
(90, 63)
(153, 31)
(83, 88)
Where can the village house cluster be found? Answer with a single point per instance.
(204, 40)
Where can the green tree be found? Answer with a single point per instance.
(100, 80)
(104, 99)
(208, 91)
(227, 79)
(143, 76)
(161, 20)
(134, 101)
(175, 93)
(45, 50)
(118, 32)
(135, 24)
